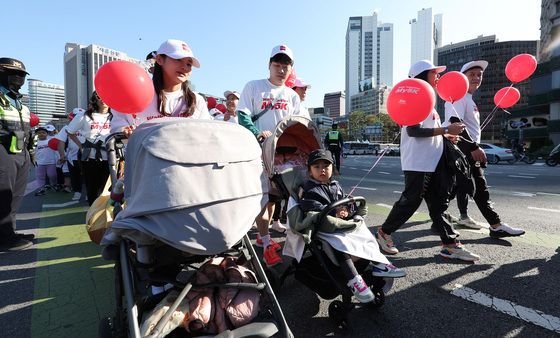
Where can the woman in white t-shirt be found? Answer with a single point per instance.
(94, 125)
(423, 164)
(173, 95)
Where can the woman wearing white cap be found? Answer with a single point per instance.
(423, 163)
(173, 95)
(232, 100)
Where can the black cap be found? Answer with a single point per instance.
(14, 64)
(319, 154)
(151, 55)
(41, 128)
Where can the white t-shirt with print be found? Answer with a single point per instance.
(174, 105)
(73, 149)
(94, 130)
(467, 111)
(422, 153)
(259, 94)
(43, 154)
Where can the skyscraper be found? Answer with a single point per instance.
(80, 65)
(334, 104)
(46, 100)
(369, 53)
(426, 35)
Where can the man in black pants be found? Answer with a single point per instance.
(466, 111)
(15, 138)
(334, 143)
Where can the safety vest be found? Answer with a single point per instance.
(14, 125)
(333, 135)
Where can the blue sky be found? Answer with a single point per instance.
(233, 39)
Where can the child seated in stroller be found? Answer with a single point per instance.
(349, 245)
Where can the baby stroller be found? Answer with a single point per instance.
(313, 265)
(184, 266)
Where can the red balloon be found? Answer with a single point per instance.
(520, 67)
(211, 102)
(33, 120)
(124, 86)
(53, 143)
(410, 102)
(291, 81)
(221, 108)
(452, 86)
(506, 97)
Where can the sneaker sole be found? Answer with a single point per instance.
(389, 275)
(459, 258)
(503, 234)
(470, 226)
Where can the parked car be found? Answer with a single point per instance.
(496, 154)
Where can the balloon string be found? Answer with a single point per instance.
(490, 116)
(374, 164)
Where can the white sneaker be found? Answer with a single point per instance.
(76, 196)
(278, 227)
(505, 230)
(360, 289)
(468, 222)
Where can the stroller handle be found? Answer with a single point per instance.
(359, 200)
(110, 142)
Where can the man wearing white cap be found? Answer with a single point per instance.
(466, 111)
(262, 105)
(232, 100)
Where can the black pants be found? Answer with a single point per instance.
(462, 200)
(280, 211)
(335, 150)
(421, 186)
(75, 175)
(482, 196)
(14, 169)
(95, 176)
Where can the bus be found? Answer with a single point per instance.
(358, 148)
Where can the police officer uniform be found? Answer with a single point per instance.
(333, 142)
(15, 136)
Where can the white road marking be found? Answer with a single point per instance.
(527, 174)
(517, 176)
(384, 173)
(61, 205)
(538, 164)
(524, 194)
(504, 306)
(397, 192)
(390, 207)
(544, 209)
(354, 168)
(547, 194)
(365, 188)
(31, 186)
(365, 169)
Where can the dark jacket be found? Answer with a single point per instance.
(317, 196)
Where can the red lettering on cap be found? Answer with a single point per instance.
(185, 47)
(282, 47)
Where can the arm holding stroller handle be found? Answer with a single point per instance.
(113, 147)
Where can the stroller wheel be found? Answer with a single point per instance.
(105, 328)
(338, 314)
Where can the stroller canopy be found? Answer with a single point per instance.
(194, 184)
(295, 134)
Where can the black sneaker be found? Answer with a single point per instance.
(28, 237)
(505, 230)
(41, 192)
(16, 244)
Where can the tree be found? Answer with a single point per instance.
(356, 124)
(389, 127)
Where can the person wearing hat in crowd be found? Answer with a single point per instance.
(262, 105)
(466, 111)
(301, 87)
(349, 247)
(151, 59)
(15, 143)
(68, 151)
(46, 160)
(425, 175)
(173, 94)
(232, 100)
(334, 142)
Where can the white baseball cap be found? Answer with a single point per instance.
(283, 49)
(50, 128)
(478, 63)
(301, 83)
(229, 92)
(422, 66)
(177, 49)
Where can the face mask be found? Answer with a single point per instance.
(15, 82)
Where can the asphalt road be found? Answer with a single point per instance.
(61, 287)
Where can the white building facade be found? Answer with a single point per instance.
(369, 53)
(81, 63)
(46, 100)
(426, 35)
